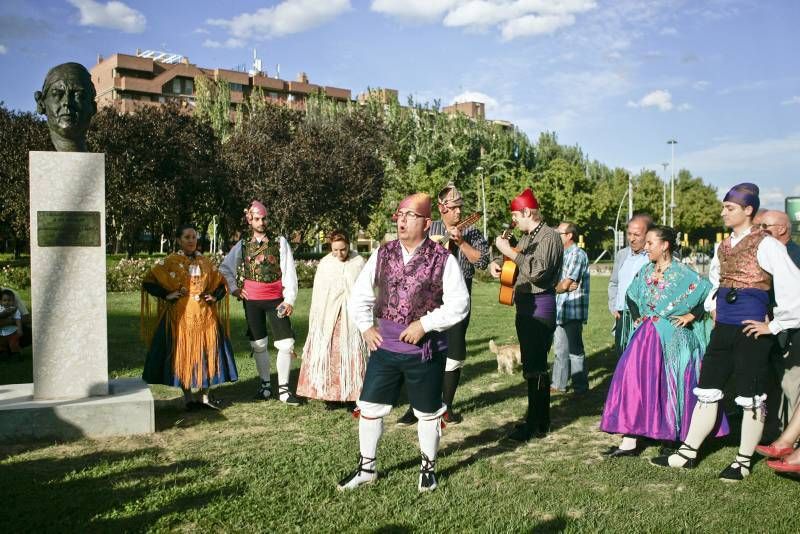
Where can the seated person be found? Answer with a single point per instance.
(10, 334)
(7, 320)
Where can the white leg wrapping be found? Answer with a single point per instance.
(373, 410)
(261, 356)
(749, 403)
(704, 417)
(752, 428)
(628, 443)
(429, 431)
(452, 365)
(284, 361)
(369, 434)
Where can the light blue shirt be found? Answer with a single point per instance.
(632, 265)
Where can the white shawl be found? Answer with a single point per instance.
(333, 283)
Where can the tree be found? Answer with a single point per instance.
(20, 133)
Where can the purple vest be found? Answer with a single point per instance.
(407, 292)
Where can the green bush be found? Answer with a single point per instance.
(306, 269)
(127, 274)
(15, 277)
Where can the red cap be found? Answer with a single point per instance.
(524, 200)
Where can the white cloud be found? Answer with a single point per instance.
(772, 198)
(201, 30)
(669, 31)
(415, 10)
(514, 18)
(701, 85)
(684, 107)
(3, 49)
(229, 43)
(288, 17)
(113, 15)
(659, 98)
(791, 101)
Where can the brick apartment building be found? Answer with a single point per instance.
(153, 78)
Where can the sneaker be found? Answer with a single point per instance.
(286, 396)
(360, 476)
(264, 391)
(427, 475)
(408, 418)
(452, 418)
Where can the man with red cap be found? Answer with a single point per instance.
(259, 270)
(414, 290)
(538, 256)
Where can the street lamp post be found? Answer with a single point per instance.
(664, 195)
(672, 143)
(483, 200)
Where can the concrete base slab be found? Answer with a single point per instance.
(126, 410)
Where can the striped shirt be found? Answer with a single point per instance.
(472, 237)
(574, 305)
(539, 261)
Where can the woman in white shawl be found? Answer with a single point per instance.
(334, 356)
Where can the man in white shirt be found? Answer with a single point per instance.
(420, 294)
(259, 270)
(745, 267)
(627, 263)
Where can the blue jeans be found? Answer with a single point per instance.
(569, 361)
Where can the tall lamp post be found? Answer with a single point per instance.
(672, 143)
(483, 200)
(664, 195)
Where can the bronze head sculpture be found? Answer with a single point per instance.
(67, 98)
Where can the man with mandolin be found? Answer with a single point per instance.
(538, 257)
(469, 247)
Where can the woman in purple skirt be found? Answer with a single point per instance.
(651, 392)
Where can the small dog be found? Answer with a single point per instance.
(508, 357)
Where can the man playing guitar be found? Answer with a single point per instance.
(472, 252)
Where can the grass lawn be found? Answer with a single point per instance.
(262, 466)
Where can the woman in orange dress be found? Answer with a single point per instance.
(188, 348)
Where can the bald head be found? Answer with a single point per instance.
(776, 223)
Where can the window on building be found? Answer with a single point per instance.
(237, 87)
(273, 94)
(189, 87)
(176, 86)
(290, 98)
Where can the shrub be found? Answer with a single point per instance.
(306, 269)
(15, 277)
(127, 274)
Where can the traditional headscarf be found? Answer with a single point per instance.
(418, 202)
(256, 208)
(744, 194)
(524, 200)
(450, 196)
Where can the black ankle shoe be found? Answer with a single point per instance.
(408, 418)
(734, 472)
(427, 475)
(290, 400)
(625, 453)
(524, 432)
(663, 460)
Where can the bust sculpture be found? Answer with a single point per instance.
(67, 98)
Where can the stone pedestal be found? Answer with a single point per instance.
(68, 275)
(71, 395)
(126, 410)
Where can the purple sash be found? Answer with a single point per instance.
(390, 332)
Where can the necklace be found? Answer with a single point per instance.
(661, 268)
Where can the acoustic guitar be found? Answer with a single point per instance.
(444, 240)
(508, 276)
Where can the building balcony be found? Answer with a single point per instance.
(126, 83)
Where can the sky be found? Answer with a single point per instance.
(619, 78)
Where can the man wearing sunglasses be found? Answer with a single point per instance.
(414, 290)
(746, 266)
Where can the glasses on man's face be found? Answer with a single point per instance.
(764, 226)
(409, 215)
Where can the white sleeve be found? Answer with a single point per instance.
(230, 264)
(455, 300)
(774, 259)
(713, 277)
(362, 296)
(289, 272)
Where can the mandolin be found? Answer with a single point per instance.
(444, 240)
(508, 276)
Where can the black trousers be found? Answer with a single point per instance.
(535, 338)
